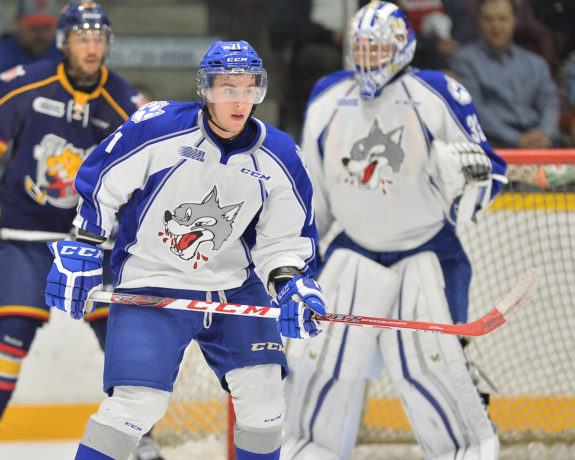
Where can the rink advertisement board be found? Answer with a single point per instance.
(158, 52)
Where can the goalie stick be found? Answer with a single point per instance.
(509, 305)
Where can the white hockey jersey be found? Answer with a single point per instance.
(369, 158)
(196, 217)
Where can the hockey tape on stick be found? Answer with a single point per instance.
(511, 303)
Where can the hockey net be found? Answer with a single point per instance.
(529, 362)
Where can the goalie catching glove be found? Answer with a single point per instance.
(75, 273)
(461, 174)
(299, 299)
(475, 164)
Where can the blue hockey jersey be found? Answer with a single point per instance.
(51, 128)
(197, 216)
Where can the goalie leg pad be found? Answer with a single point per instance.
(429, 371)
(123, 418)
(327, 374)
(259, 406)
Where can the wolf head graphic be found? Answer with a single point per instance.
(192, 224)
(376, 156)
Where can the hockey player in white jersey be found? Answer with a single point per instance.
(217, 207)
(397, 158)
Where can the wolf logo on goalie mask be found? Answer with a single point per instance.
(256, 233)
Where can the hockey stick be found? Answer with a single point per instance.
(38, 236)
(511, 303)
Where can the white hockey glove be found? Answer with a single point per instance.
(475, 164)
(461, 174)
(299, 299)
(75, 273)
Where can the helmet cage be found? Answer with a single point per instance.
(382, 44)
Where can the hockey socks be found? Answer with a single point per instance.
(87, 453)
(245, 455)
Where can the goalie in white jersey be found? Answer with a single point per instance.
(397, 158)
(215, 202)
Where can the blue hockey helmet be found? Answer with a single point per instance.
(83, 16)
(229, 59)
(382, 44)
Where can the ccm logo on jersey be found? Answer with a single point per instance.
(255, 174)
(267, 346)
(71, 250)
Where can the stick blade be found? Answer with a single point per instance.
(520, 293)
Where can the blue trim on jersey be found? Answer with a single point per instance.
(127, 156)
(121, 256)
(261, 184)
(328, 81)
(436, 82)
(289, 177)
(424, 129)
(421, 388)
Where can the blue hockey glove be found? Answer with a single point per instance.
(298, 299)
(75, 273)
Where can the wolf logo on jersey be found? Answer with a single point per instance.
(375, 157)
(192, 224)
(58, 162)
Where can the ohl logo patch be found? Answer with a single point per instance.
(57, 163)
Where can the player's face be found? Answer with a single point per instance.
(85, 51)
(230, 100)
(35, 39)
(497, 23)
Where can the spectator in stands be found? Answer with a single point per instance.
(441, 26)
(307, 35)
(514, 93)
(33, 38)
(567, 122)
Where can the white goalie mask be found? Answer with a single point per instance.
(382, 44)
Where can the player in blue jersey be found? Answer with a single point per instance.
(52, 115)
(217, 207)
(397, 158)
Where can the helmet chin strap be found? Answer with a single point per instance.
(209, 117)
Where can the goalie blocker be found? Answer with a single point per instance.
(429, 371)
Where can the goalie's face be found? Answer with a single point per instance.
(367, 55)
(230, 100)
(381, 45)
